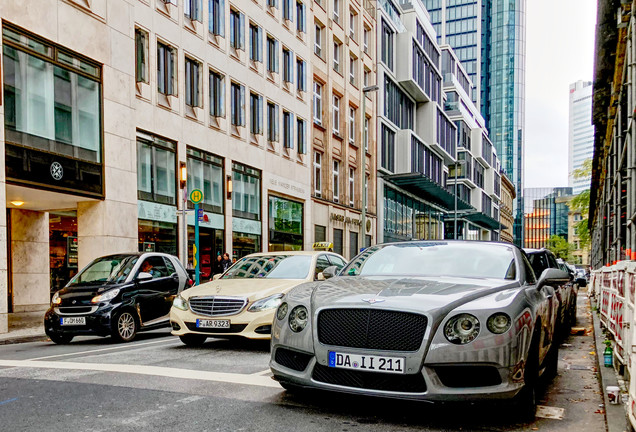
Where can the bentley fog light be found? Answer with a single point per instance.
(180, 303)
(298, 318)
(271, 302)
(462, 329)
(107, 296)
(282, 311)
(498, 323)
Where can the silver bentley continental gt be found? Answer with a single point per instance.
(436, 321)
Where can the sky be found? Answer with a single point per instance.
(559, 52)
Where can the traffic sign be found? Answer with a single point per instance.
(196, 196)
(200, 214)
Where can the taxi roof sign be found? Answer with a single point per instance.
(326, 246)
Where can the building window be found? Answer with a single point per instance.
(367, 77)
(336, 181)
(205, 172)
(353, 244)
(272, 3)
(478, 175)
(318, 33)
(272, 55)
(217, 95)
(336, 114)
(272, 122)
(256, 43)
(337, 241)
(156, 169)
(352, 25)
(336, 11)
(353, 66)
(141, 56)
(388, 149)
(237, 30)
(237, 95)
(301, 135)
(397, 106)
(192, 83)
(366, 194)
(166, 69)
(366, 39)
(288, 66)
(352, 125)
(256, 114)
(288, 130)
(320, 233)
(192, 9)
(300, 17)
(317, 174)
(337, 48)
(216, 23)
(317, 103)
(387, 45)
(246, 192)
(352, 186)
(288, 10)
(301, 84)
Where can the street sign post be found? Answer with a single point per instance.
(196, 196)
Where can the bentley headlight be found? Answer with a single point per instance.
(56, 300)
(107, 296)
(271, 302)
(498, 323)
(298, 318)
(180, 303)
(462, 329)
(282, 311)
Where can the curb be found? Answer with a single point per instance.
(24, 339)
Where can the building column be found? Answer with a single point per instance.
(30, 263)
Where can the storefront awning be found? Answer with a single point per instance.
(483, 220)
(425, 188)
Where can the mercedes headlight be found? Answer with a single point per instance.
(298, 318)
(107, 296)
(180, 303)
(282, 311)
(56, 300)
(271, 302)
(498, 323)
(462, 329)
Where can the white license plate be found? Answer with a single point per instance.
(73, 321)
(205, 323)
(366, 362)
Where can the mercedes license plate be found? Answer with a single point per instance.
(206, 323)
(73, 321)
(366, 362)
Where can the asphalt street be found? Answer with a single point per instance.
(156, 383)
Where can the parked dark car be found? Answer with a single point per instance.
(542, 259)
(117, 295)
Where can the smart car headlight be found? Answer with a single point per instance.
(498, 323)
(282, 311)
(271, 302)
(180, 303)
(298, 318)
(462, 329)
(56, 300)
(107, 296)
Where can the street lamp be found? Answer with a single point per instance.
(365, 90)
(457, 162)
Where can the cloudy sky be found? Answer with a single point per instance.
(560, 51)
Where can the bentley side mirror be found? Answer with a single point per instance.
(143, 276)
(552, 276)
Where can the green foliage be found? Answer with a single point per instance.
(583, 233)
(581, 203)
(560, 247)
(584, 171)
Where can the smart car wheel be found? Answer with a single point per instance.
(193, 339)
(124, 327)
(59, 338)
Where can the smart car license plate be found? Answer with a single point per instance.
(204, 323)
(366, 362)
(73, 321)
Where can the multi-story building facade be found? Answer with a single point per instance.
(343, 147)
(489, 38)
(106, 103)
(580, 133)
(418, 135)
(508, 195)
(546, 215)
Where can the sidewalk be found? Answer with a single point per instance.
(24, 327)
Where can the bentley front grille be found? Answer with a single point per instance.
(371, 329)
(216, 305)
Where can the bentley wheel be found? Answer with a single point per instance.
(526, 400)
(193, 340)
(60, 338)
(124, 327)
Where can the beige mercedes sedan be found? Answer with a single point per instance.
(243, 301)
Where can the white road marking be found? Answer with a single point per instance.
(126, 346)
(253, 380)
(265, 372)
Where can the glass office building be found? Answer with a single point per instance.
(546, 215)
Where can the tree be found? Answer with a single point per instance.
(581, 203)
(560, 247)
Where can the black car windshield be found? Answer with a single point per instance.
(109, 269)
(434, 259)
(271, 267)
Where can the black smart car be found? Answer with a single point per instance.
(117, 295)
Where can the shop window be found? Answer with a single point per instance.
(353, 244)
(246, 194)
(285, 224)
(156, 169)
(337, 241)
(245, 244)
(157, 237)
(205, 172)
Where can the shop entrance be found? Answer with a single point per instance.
(210, 246)
(62, 248)
(244, 244)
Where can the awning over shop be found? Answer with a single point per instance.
(425, 188)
